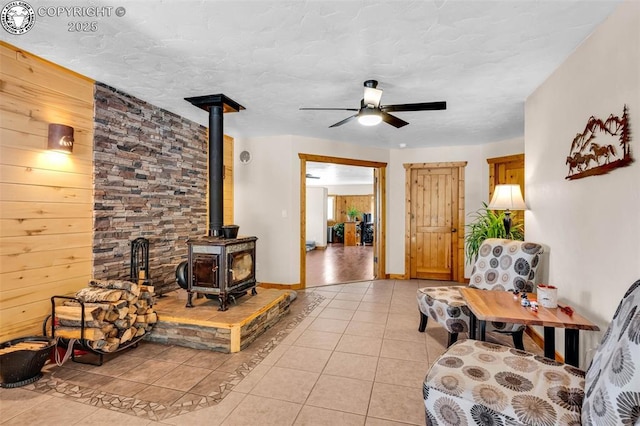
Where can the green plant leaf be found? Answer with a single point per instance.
(485, 224)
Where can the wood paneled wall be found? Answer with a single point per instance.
(364, 203)
(46, 199)
(227, 190)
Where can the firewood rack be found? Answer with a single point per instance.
(49, 329)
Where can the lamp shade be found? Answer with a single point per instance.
(507, 197)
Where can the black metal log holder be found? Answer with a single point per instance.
(82, 343)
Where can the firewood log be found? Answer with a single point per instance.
(127, 335)
(97, 344)
(120, 304)
(109, 344)
(147, 288)
(123, 323)
(151, 318)
(74, 313)
(78, 323)
(123, 312)
(95, 294)
(89, 333)
(129, 286)
(112, 315)
(131, 299)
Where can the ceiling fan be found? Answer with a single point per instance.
(310, 176)
(372, 113)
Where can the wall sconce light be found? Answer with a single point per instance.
(60, 138)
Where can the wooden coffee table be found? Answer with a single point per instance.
(500, 306)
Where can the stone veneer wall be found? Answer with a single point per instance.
(150, 181)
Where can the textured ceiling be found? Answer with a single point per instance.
(328, 174)
(482, 57)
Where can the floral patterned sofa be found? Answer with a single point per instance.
(484, 383)
(501, 265)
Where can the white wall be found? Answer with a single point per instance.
(267, 193)
(476, 186)
(591, 225)
(316, 215)
(264, 206)
(350, 189)
(267, 197)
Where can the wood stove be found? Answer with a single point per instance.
(222, 267)
(218, 266)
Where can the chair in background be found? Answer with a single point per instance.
(477, 382)
(501, 265)
(366, 229)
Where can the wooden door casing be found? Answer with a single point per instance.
(379, 195)
(507, 170)
(435, 221)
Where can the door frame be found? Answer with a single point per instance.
(380, 199)
(457, 244)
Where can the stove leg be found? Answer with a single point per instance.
(189, 300)
(222, 298)
(254, 291)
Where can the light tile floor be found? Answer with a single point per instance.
(356, 358)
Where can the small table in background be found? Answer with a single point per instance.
(500, 306)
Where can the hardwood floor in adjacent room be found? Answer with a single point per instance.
(339, 264)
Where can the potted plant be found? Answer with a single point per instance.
(489, 224)
(338, 230)
(353, 213)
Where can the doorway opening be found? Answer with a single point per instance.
(335, 248)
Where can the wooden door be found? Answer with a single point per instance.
(434, 222)
(507, 170)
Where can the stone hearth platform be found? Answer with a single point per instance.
(204, 327)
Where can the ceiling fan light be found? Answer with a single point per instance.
(369, 117)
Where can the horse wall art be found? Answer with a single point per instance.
(588, 157)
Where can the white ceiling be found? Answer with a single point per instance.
(327, 174)
(274, 56)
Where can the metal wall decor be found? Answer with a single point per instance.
(601, 147)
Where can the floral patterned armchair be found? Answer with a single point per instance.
(477, 382)
(501, 265)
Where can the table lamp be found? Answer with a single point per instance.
(507, 198)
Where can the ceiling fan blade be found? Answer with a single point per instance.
(346, 120)
(393, 120)
(423, 106)
(310, 176)
(329, 109)
(372, 96)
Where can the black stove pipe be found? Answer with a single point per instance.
(216, 170)
(216, 105)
